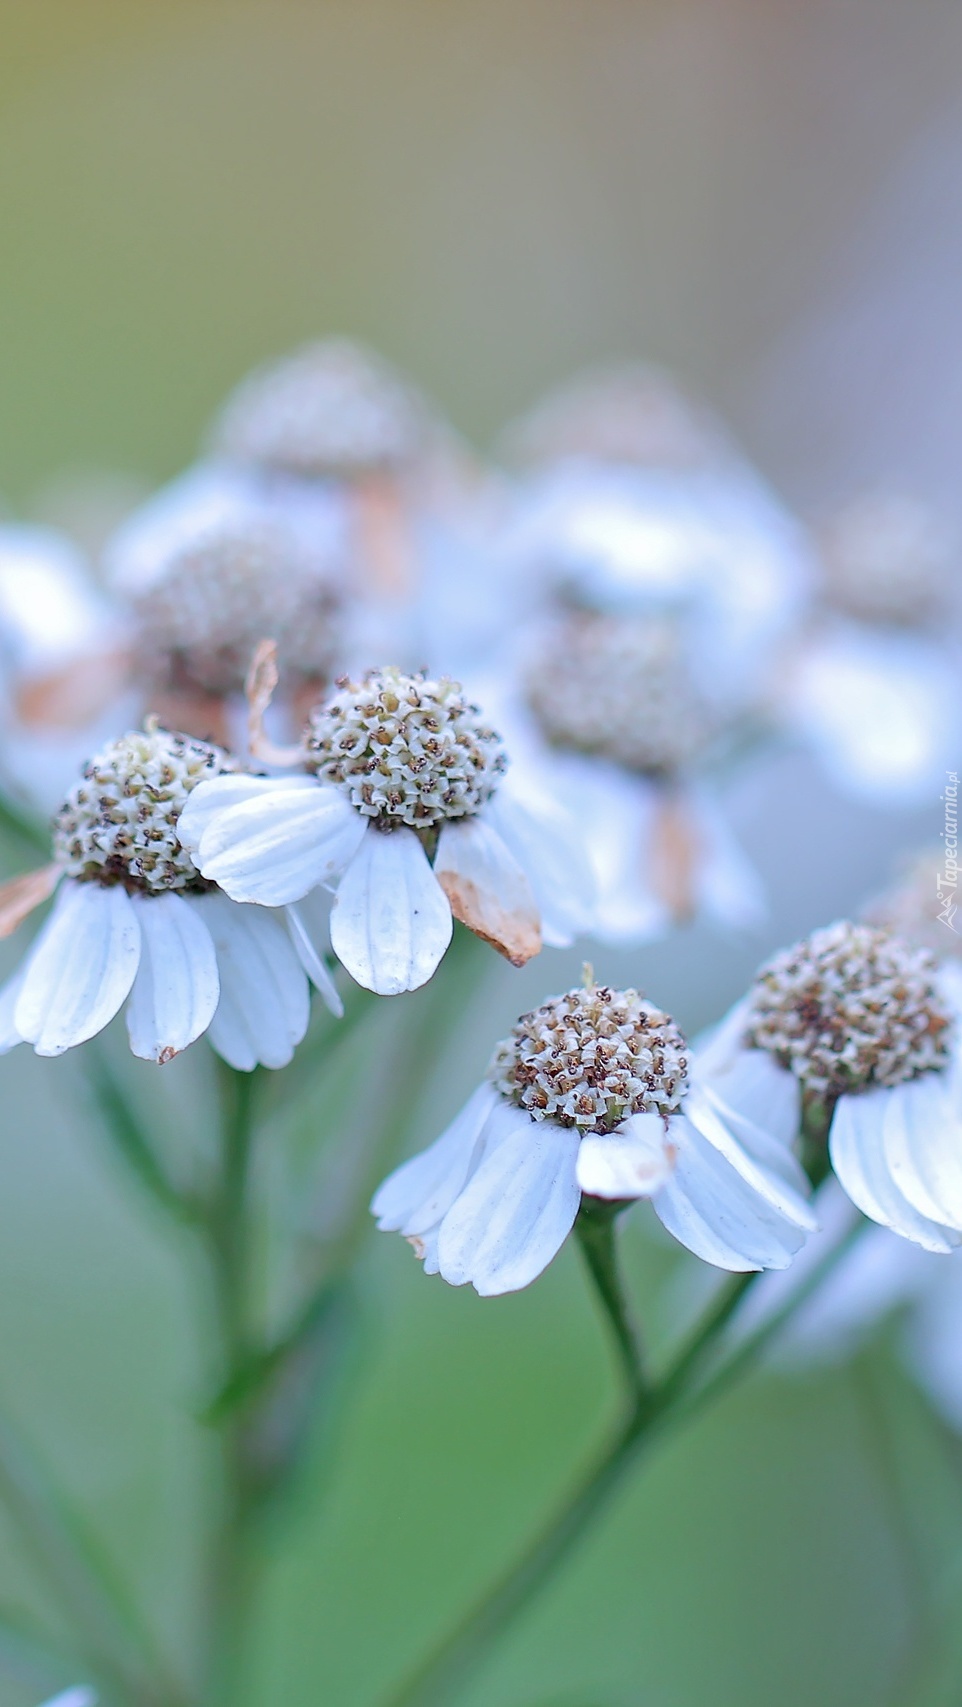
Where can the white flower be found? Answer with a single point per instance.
(73, 1698)
(404, 813)
(866, 686)
(608, 714)
(591, 1094)
(135, 922)
(210, 565)
(863, 1027)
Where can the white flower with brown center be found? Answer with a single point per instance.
(593, 1093)
(205, 569)
(400, 808)
(615, 720)
(859, 1030)
(135, 922)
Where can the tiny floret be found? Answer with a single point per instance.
(591, 1058)
(850, 1007)
(119, 824)
(621, 689)
(407, 749)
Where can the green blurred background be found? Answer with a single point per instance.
(492, 193)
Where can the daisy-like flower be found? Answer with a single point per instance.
(858, 1029)
(866, 684)
(207, 567)
(400, 807)
(134, 921)
(593, 1093)
(612, 716)
(335, 424)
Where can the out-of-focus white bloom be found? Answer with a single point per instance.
(207, 568)
(641, 505)
(592, 1094)
(403, 811)
(333, 423)
(62, 661)
(865, 1028)
(73, 1698)
(135, 922)
(867, 685)
(608, 715)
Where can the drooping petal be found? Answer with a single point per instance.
(856, 1146)
(302, 924)
(176, 990)
(768, 1169)
(279, 844)
(487, 888)
(391, 922)
(715, 1212)
(517, 1208)
(80, 968)
(749, 1082)
(545, 841)
(264, 1002)
(633, 1161)
(418, 1193)
(923, 1145)
(9, 1035)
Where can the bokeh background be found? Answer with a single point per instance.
(765, 197)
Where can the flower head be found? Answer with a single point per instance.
(406, 749)
(888, 559)
(620, 688)
(136, 918)
(398, 807)
(592, 1094)
(858, 1029)
(850, 1007)
(330, 408)
(593, 1057)
(221, 589)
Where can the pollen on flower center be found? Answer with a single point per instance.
(119, 824)
(222, 593)
(591, 1058)
(619, 688)
(410, 750)
(849, 1007)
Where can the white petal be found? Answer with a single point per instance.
(176, 989)
(633, 1161)
(391, 922)
(487, 889)
(302, 926)
(716, 1213)
(9, 1035)
(768, 1168)
(923, 1145)
(419, 1192)
(73, 1698)
(546, 842)
(264, 1000)
(274, 848)
(858, 1156)
(80, 969)
(757, 1099)
(220, 793)
(517, 1208)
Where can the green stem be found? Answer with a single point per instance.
(678, 1397)
(130, 1138)
(232, 1564)
(595, 1231)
